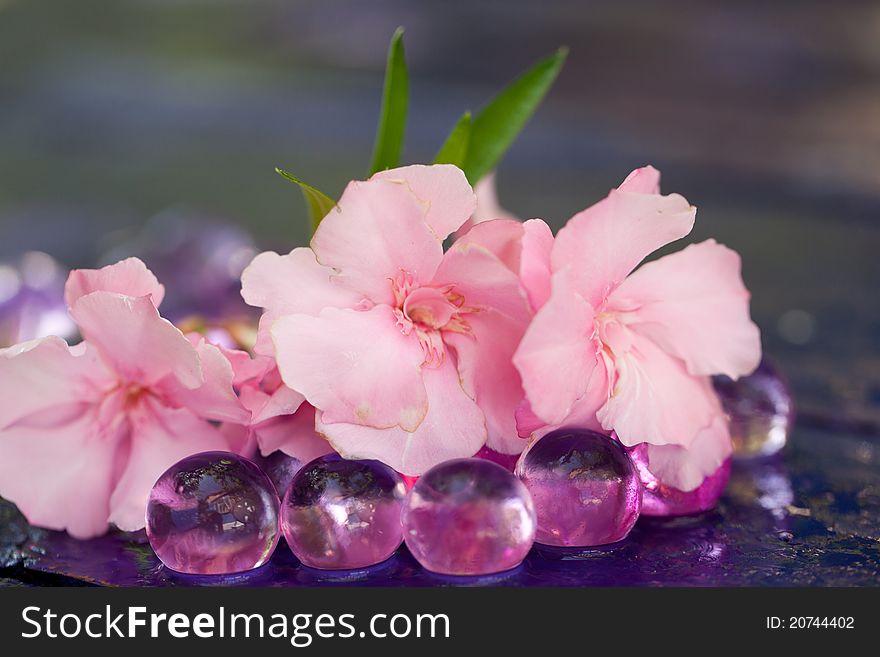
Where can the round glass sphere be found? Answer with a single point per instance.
(468, 517)
(213, 513)
(760, 408)
(280, 468)
(586, 489)
(659, 499)
(341, 514)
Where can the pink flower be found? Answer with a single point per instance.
(400, 347)
(281, 419)
(86, 430)
(632, 351)
(488, 207)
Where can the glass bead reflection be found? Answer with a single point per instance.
(469, 517)
(213, 513)
(760, 409)
(586, 489)
(659, 499)
(343, 514)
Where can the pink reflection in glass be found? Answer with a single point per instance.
(586, 489)
(469, 517)
(662, 500)
(343, 514)
(213, 513)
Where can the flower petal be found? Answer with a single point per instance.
(557, 354)
(693, 304)
(655, 400)
(215, 399)
(45, 374)
(354, 366)
(443, 188)
(483, 280)
(379, 228)
(294, 435)
(453, 428)
(61, 477)
(602, 244)
(293, 283)
(534, 270)
(131, 336)
(488, 376)
(685, 468)
(129, 277)
(160, 437)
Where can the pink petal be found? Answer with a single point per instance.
(453, 428)
(483, 280)
(655, 400)
(354, 366)
(489, 377)
(557, 354)
(488, 208)
(524, 248)
(160, 437)
(265, 406)
(214, 399)
(44, 375)
(131, 336)
(685, 468)
(378, 230)
(443, 188)
(61, 476)
(293, 283)
(693, 304)
(535, 273)
(602, 244)
(129, 277)
(294, 435)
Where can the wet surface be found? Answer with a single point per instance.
(810, 517)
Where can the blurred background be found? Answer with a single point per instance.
(141, 126)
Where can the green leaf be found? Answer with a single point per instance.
(317, 202)
(455, 148)
(392, 119)
(497, 125)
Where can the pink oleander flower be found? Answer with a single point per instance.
(402, 349)
(86, 430)
(488, 206)
(631, 351)
(281, 419)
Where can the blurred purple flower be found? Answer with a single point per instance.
(200, 258)
(32, 299)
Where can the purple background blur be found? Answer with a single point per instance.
(765, 115)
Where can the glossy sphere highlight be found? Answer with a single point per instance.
(761, 411)
(213, 513)
(586, 489)
(469, 517)
(662, 500)
(343, 514)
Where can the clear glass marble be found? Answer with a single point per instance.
(585, 487)
(343, 514)
(662, 500)
(761, 411)
(469, 517)
(213, 513)
(281, 468)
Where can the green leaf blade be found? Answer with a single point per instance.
(498, 124)
(317, 202)
(395, 103)
(455, 148)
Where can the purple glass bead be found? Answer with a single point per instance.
(343, 514)
(662, 500)
(469, 517)
(586, 489)
(213, 513)
(760, 409)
